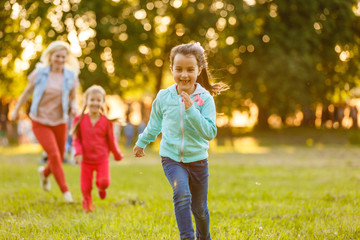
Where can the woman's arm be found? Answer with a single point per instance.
(23, 98)
(73, 101)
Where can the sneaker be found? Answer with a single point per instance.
(88, 207)
(102, 194)
(68, 197)
(44, 182)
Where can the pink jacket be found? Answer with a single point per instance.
(95, 142)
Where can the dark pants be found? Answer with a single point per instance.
(189, 182)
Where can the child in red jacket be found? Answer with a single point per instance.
(94, 139)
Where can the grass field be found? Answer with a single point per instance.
(262, 186)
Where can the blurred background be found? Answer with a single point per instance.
(289, 64)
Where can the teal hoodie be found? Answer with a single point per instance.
(185, 133)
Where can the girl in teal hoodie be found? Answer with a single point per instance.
(185, 114)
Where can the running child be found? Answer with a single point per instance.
(94, 139)
(185, 114)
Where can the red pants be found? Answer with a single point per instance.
(52, 139)
(86, 179)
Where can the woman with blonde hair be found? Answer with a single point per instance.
(53, 85)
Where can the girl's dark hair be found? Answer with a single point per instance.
(203, 79)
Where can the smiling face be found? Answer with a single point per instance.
(95, 101)
(185, 71)
(58, 59)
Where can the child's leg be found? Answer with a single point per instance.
(103, 178)
(199, 174)
(52, 139)
(178, 178)
(86, 178)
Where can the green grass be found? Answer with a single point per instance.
(267, 191)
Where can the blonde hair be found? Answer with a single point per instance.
(87, 93)
(203, 79)
(71, 63)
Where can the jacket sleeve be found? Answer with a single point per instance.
(203, 121)
(154, 125)
(113, 145)
(77, 138)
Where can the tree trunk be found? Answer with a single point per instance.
(262, 119)
(159, 80)
(309, 117)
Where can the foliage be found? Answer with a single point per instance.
(283, 55)
(294, 62)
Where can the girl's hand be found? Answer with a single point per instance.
(187, 100)
(78, 159)
(119, 158)
(74, 112)
(138, 151)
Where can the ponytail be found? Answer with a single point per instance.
(75, 128)
(214, 89)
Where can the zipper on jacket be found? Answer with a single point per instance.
(182, 131)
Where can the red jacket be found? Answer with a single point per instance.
(95, 142)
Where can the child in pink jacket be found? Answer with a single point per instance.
(94, 139)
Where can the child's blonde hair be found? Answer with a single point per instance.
(203, 79)
(71, 63)
(87, 93)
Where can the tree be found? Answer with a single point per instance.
(295, 53)
(282, 55)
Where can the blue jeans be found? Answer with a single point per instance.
(189, 182)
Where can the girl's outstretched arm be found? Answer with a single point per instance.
(154, 125)
(113, 145)
(77, 138)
